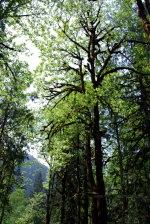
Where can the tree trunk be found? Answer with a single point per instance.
(89, 163)
(49, 198)
(47, 219)
(62, 221)
(143, 17)
(85, 203)
(94, 211)
(91, 178)
(124, 201)
(100, 189)
(79, 183)
(147, 3)
(144, 106)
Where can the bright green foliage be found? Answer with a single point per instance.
(120, 82)
(15, 118)
(18, 203)
(23, 210)
(33, 213)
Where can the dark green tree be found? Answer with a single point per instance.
(95, 80)
(38, 183)
(15, 117)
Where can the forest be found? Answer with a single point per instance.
(85, 108)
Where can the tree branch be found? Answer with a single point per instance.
(10, 48)
(75, 42)
(120, 68)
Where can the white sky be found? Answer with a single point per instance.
(33, 60)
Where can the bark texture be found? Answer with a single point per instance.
(100, 189)
(47, 218)
(143, 15)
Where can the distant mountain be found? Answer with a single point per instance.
(31, 170)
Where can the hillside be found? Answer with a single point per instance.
(32, 170)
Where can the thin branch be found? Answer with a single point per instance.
(101, 38)
(72, 54)
(10, 48)
(111, 51)
(26, 15)
(121, 68)
(7, 65)
(137, 42)
(75, 42)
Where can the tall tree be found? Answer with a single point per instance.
(91, 53)
(15, 117)
(38, 183)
